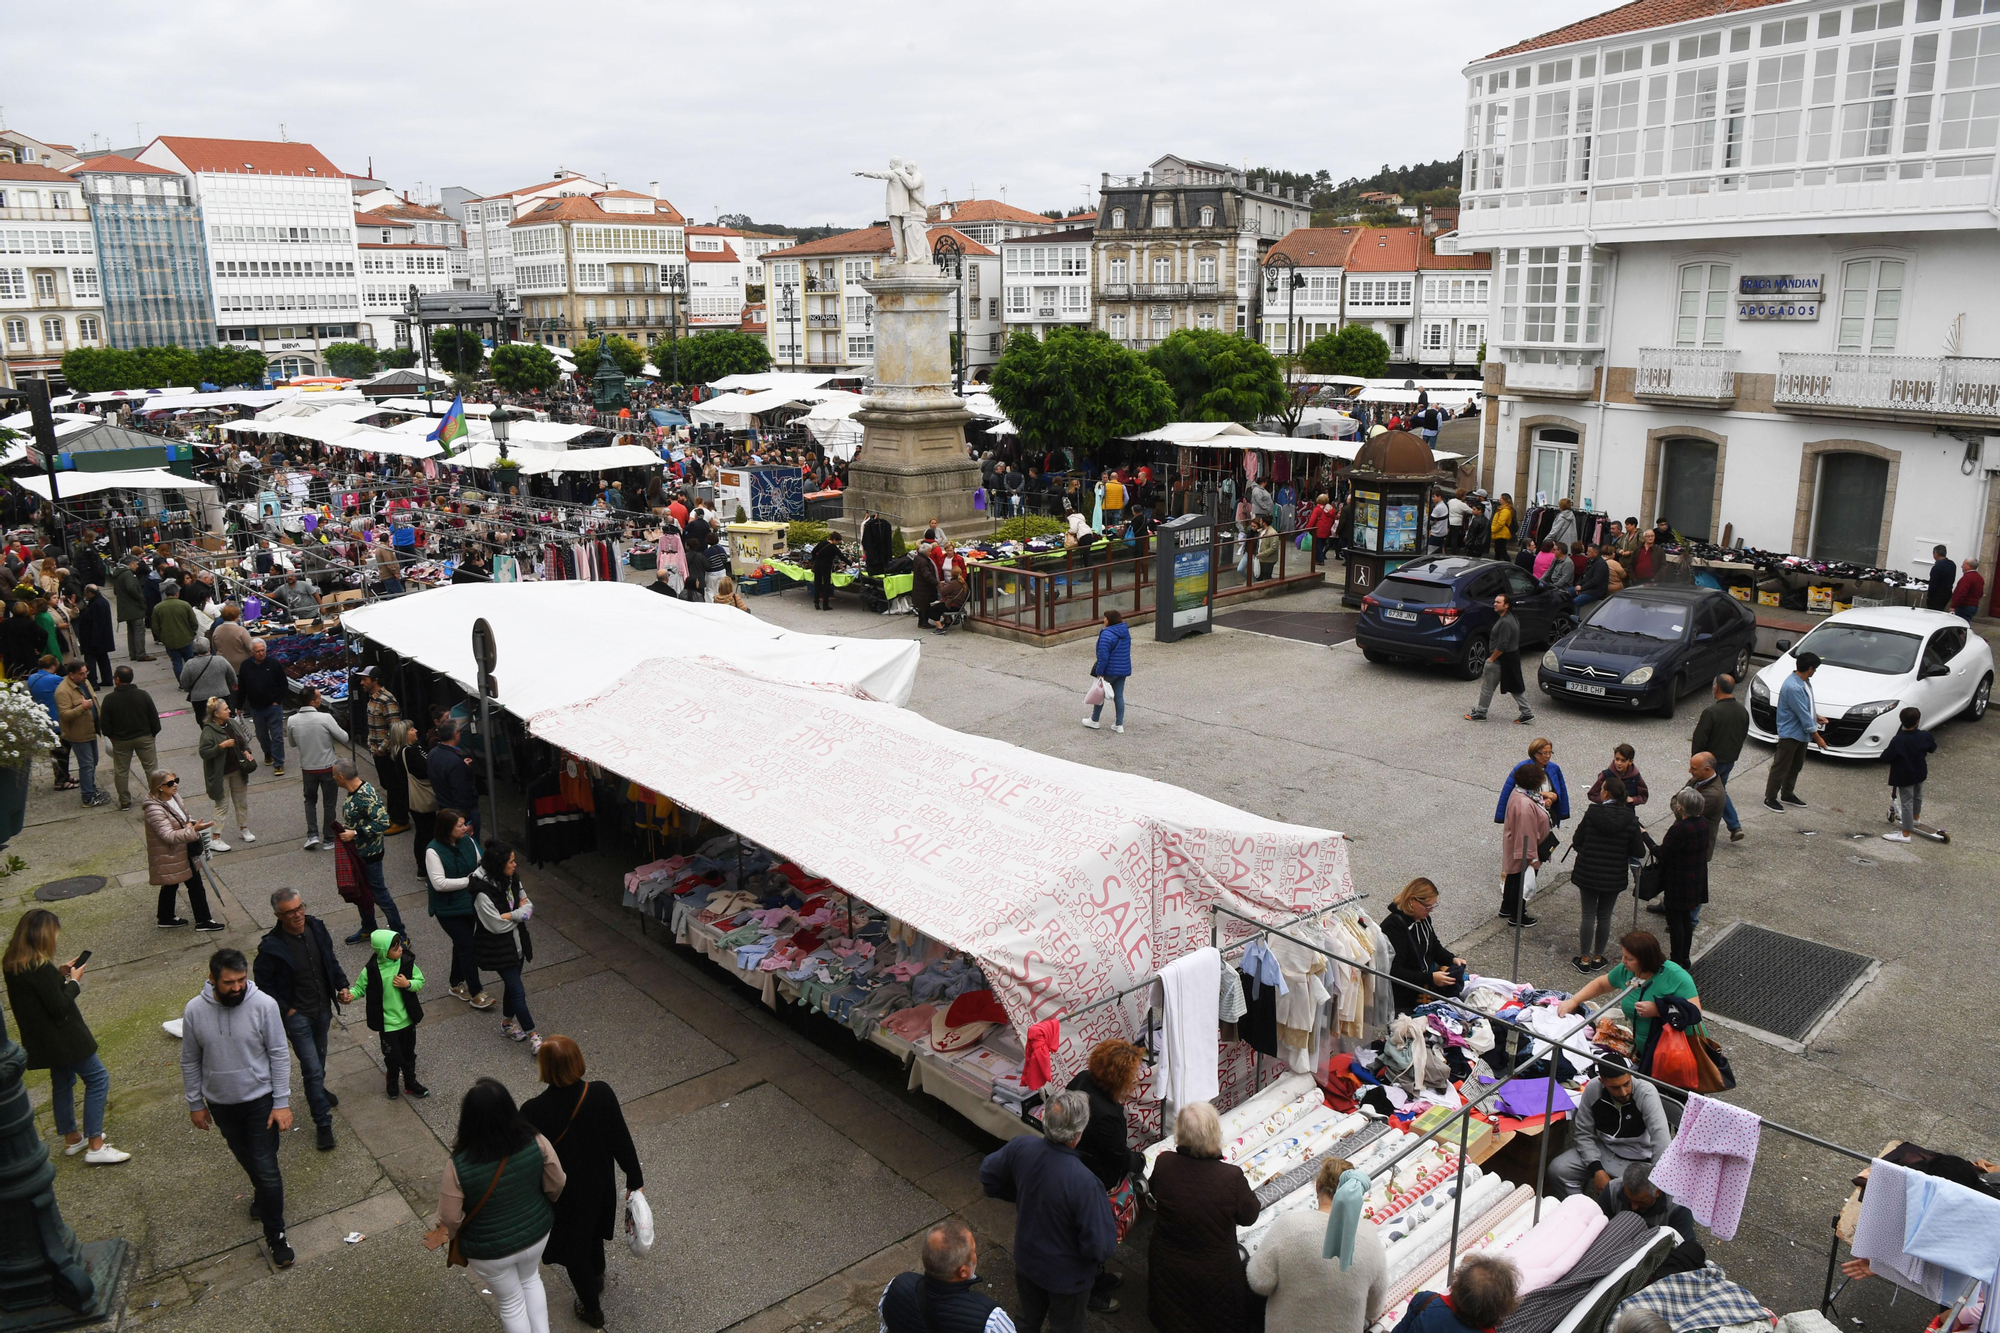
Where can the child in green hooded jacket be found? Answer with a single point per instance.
(393, 1008)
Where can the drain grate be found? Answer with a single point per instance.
(1775, 983)
(58, 889)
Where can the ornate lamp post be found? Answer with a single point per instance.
(675, 285)
(789, 308)
(501, 421)
(1293, 280)
(608, 391)
(949, 256)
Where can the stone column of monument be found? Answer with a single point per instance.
(912, 466)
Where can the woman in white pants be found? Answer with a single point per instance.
(497, 1202)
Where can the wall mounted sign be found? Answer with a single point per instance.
(1779, 296)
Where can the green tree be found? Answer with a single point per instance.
(1354, 350)
(708, 357)
(628, 356)
(457, 352)
(397, 358)
(166, 367)
(519, 368)
(354, 360)
(1219, 376)
(1078, 389)
(225, 366)
(98, 369)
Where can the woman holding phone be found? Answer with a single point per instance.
(42, 993)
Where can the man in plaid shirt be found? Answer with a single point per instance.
(365, 821)
(383, 712)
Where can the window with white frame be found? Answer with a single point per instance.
(1379, 291)
(1116, 272)
(1243, 273)
(17, 332)
(1971, 103)
(86, 329)
(1869, 103)
(1437, 336)
(1470, 335)
(1205, 320)
(853, 270)
(1017, 300)
(1117, 323)
(1697, 93)
(1552, 295)
(860, 307)
(52, 331)
(1208, 217)
(1163, 215)
(1204, 268)
(1163, 269)
(13, 284)
(45, 286)
(1162, 323)
(1871, 302)
(1702, 313)
(1072, 299)
(1118, 219)
(860, 345)
(591, 276)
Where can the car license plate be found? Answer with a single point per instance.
(1391, 614)
(1578, 687)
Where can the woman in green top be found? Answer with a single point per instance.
(1644, 962)
(497, 1200)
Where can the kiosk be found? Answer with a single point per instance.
(1392, 477)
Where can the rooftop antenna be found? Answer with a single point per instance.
(137, 137)
(3, 117)
(281, 133)
(1003, 192)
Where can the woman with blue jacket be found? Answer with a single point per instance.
(1113, 665)
(1555, 795)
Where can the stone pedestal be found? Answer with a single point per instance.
(912, 465)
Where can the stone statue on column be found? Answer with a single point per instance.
(906, 211)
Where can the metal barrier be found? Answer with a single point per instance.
(1057, 592)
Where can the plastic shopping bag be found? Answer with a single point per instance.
(638, 1224)
(1095, 695)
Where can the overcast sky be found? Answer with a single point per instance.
(766, 107)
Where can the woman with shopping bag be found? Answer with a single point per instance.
(1112, 668)
(584, 1123)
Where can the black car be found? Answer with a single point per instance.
(1646, 647)
(1441, 610)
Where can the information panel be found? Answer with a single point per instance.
(1184, 579)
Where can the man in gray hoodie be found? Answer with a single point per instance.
(236, 1070)
(314, 737)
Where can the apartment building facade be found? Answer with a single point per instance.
(716, 279)
(489, 221)
(992, 222)
(1180, 246)
(615, 259)
(284, 273)
(1426, 303)
(821, 317)
(397, 254)
(51, 294)
(1047, 277)
(1746, 255)
(152, 252)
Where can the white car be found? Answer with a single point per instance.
(1873, 664)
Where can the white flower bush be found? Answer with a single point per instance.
(25, 729)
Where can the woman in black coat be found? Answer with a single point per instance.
(96, 637)
(1197, 1280)
(1683, 856)
(587, 1129)
(1420, 960)
(42, 993)
(1606, 842)
(1106, 1146)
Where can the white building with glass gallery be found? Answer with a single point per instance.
(1743, 257)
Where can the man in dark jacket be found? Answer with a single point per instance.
(265, 687)
(1063, 1227)
(1503, 663)
(297, 967)
(129, 719)
(129, 587)
(95, 636)
(1635, 1192)
(451, 774)
(1593, 581)
(1721, 731)
(826, 558)
(941, 1299)
(1944, 576)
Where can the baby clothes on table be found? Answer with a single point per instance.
(1956, 1229)
(1880, 1231)
(1708, 1165)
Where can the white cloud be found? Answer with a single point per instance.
(767, 106)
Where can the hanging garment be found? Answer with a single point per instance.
(1261, 969)
(1879, 1235)
(1299, 1007)
(1258, 1027)
(1956, 1229)
(1043, 1039)
(1187, 1070)
(1229, 1002)
(1708, 1165)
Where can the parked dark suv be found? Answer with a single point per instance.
(1441, 610)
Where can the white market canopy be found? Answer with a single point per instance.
(785, 381)
(1457, 396)
(832, 424)
(1067, 882)
(522, 434)
(738, 411)
(172, 400)
(534, 462)
(1194, 434)
(437, 407)
(71, 484)
(561, 643)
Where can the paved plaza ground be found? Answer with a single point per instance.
(790, 1173)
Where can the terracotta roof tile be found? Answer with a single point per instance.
(123, 166)
(723, 256)
(532, 189)
(397, 245)
(1316, 247)
(1384, 250)
(1635, 17)
(420, 212)
(694, 230)
(619, 194)
(869, 241)
(578, 208)
(256, 156)
(378, 220)
(29, 171)
(985, 210)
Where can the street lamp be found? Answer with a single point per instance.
(1297, 280)
(500, 421)
(949, 256)
(674, 283)
(789, 308)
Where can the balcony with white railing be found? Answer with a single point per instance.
(1560, 374)
(1950, 388)
(1686, 374)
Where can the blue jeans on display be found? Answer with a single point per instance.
(514, 999)
(246, 1129)
(179, 657)
(1117, 684)
(1728, 802)
(96, 1092)
(85, 754)
(379, 887)
(270, 723)
(308, 1037)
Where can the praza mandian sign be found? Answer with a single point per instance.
(1780, 296)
